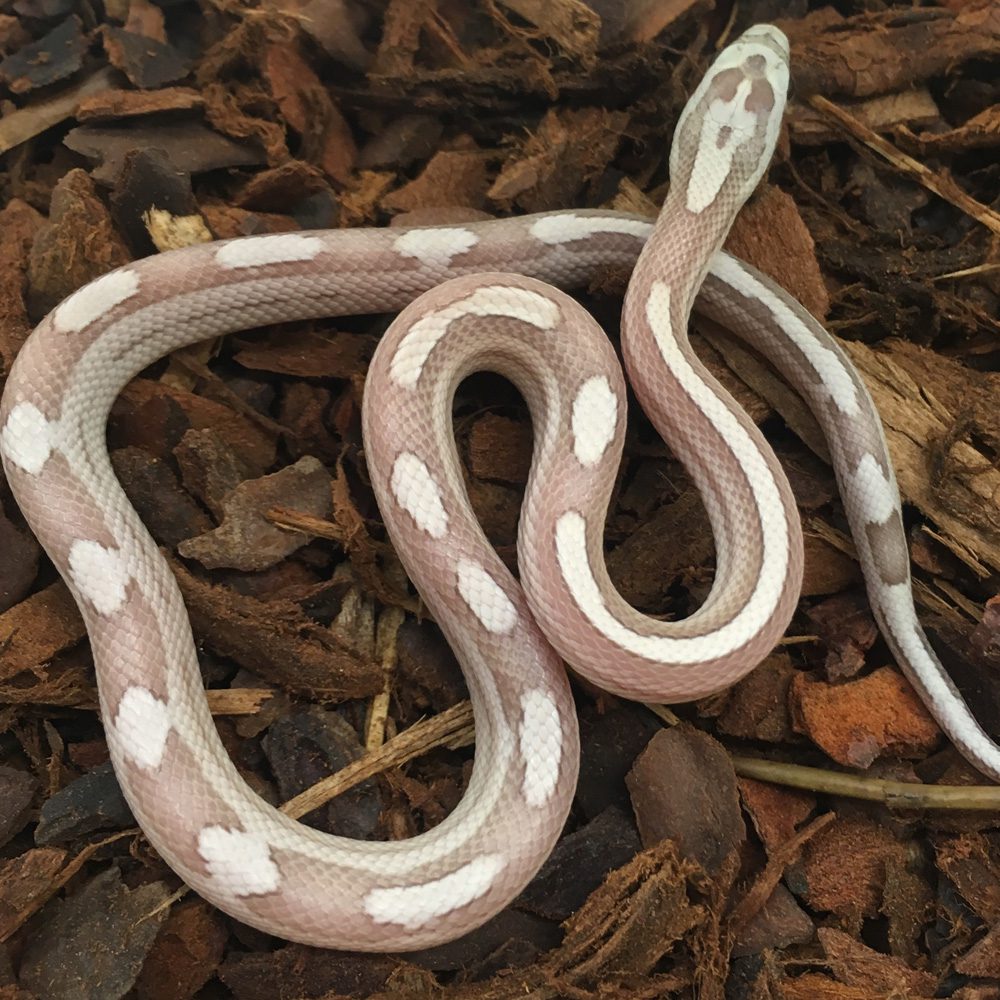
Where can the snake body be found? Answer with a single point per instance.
(463, 309)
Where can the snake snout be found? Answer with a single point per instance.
(766, 34)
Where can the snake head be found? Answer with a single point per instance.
(728, 130)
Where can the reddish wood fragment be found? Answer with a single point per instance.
(827, 570)
(845, 624)
(278, 641)
(19, 226)
(307, 106)
(13, 33)
(24, 880)
(33, 631)
(776, 812)
(443, 215)
(228, 221)
(771, 234)
(568, 150)
(636, 918)
(981, 131)
(146, 19)
(308, 354)
(233, 110)
(885, 113)
(500, 448)
(402, 25)
(571, 24)
(876, 54)
(972, 862)
(186, 953)
(155, 416)
(359, 206)
(854, 964)
(451, 178)
(844, 867)
(79, 244)
(814, 986)
(757, 707)
(858, 722)
(982, 960)
(338, 26)
(114, 105)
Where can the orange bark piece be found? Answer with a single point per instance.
(858, 722)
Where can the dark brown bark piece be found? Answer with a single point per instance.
(775, 812)
(54, 57)
(579, 863)
(308, 354)
(296, 970)
(151, 484)
(147, 62)
(310, 745)
(19, 566)
(843, 868)
(116, 105)
(192, 147)
(874, 54)
(17, 791)
(683, 789)
(854, 964)
(34, 631)
(779, 923)
(246, 540)
(90, 803)
(609, 744)
(149, 183)
(845, 624)
(62, 959)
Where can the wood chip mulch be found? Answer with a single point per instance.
(808, 834)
